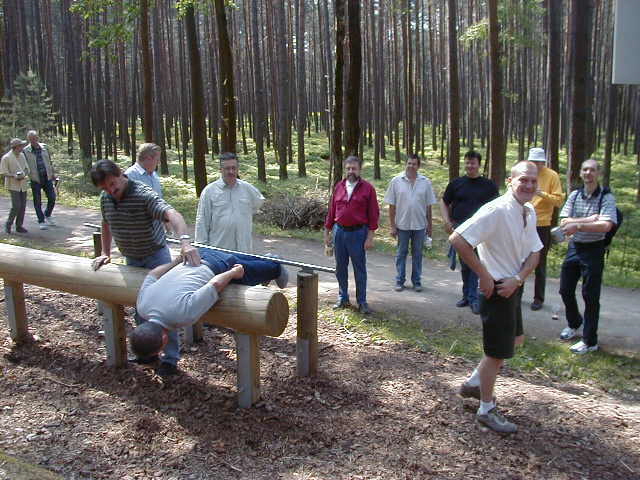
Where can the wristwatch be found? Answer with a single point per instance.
(185, 237)
(517, 277)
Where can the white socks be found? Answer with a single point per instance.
(485, 407)
(474, 379)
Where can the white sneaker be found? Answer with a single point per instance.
(581, 348)
(50, 221)
(42, 226)
(568, 333)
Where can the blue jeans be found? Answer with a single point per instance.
(417, 241)
(159, 257)
(469, 283)
(50, 192)
(256, 271)
(350, 245)
(586, 261)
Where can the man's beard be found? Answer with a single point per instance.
(352, 177)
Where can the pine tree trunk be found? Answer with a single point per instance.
(497, 141)
(199, 126)
(225, 59)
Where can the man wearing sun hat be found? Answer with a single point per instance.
(14, 168)
(548, 196)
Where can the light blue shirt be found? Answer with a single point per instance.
(139, 174)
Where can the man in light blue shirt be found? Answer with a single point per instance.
(144, 170)
(410, 196)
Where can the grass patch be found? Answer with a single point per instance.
(615, 374)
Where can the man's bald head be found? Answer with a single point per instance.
(522, 168)
(523, 181)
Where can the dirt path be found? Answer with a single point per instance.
(619, 330)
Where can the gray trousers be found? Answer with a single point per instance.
(18, 207)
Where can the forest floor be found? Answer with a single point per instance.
(376, 409)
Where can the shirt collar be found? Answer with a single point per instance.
(140, 169)
(418, 176)
(595, 194)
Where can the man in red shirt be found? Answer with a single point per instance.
(351, 220)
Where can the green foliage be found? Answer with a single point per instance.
(477, 31)
(27, 108)
(105, 33)
(519, 26)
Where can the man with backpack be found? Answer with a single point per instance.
(587, 216)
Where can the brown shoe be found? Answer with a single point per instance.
(469, 391)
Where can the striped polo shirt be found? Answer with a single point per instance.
(131, 219)
(579, 205)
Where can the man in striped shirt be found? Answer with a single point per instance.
(132, 215)
(586, 217)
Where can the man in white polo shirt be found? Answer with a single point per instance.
(504, 232)
(410, 196)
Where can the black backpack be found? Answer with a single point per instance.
(611, 233)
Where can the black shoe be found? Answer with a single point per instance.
(144, 360)
(21, 230)
(463, 302)
(475, 308)
(536, 305)
(341, 304)
(363, 308)
(167, 369)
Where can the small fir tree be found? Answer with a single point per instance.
(28, 107)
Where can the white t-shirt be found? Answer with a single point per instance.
(350, 188)
(497, 230)
(179, 298)
(411, 201)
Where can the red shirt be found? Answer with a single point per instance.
(362, 208)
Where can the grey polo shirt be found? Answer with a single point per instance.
(579, 205)
(179, 298)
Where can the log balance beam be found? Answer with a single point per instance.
(250, 311)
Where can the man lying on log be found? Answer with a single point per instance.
(177, 294)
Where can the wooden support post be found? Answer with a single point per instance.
(115, 335)
(194, 333)
(307, 339)
(97, 244)
(16, 312)
(97, 251)
(248, 353)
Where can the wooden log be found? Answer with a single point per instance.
(16, 312)
(254, 310)
(307, 326)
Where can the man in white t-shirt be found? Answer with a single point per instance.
(176, 295)
(504, 233)
(410, 196)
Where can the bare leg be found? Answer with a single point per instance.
(488, 368)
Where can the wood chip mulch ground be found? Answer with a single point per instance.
(377, 410)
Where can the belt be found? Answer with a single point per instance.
(351, 228)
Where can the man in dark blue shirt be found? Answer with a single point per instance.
(462, 198)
